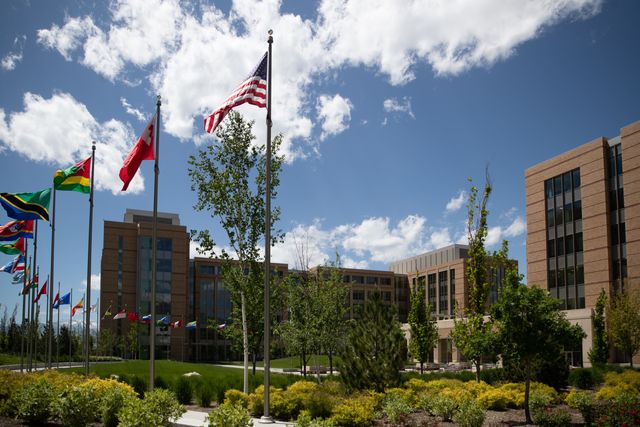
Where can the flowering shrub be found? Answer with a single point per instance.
(112, 400)
(613, 392)
(305, 420)
(476, 388)
(497, 399)
(396, 404)
(356, 411)
(549, 417)
(256, 399)
(416, 386)
(156, 409)
(443, 406)
(33, 401)
(619, 414)
(582, 401)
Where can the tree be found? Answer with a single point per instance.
(424, 331)
(229, 178)
(624, 322)
(131, 340)
(471, 334)
(530, 328)
(373, 352)
(106, 342)
(599, 353)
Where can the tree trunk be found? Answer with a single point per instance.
(631, 359)
(317, 365)
(527, 412)
(477, 363)
(304, 364)
(331, 362)
(245, 344)
(421, 367)
(253, 361)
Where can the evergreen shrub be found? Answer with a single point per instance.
(183, 389)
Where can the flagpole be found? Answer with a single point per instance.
(29, 269)
(33, 312)
(58, 332)
(266, 418)
(88, 300)
(24, 303)
(97, 322)
(70, 319)
(154, 232)
(52, 278)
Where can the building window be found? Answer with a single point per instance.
(617, 227)
(564, 246)
(431, 291)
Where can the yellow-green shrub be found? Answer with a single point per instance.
(256, 399)
(324, 398)
(58, 380)
(476, 388)
(9, 382)
(611, 392)
(357, 411)
(628, 377)
(416, 385)
(405, 394)
(497, 399)
(99, 386)
(232, 396)
(442, 384)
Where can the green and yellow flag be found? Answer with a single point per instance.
(74, 178)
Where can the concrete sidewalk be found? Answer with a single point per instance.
(198, 419)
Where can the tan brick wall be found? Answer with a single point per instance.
(630, 139)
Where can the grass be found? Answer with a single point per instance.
(9, 359)
(170, 371)
(294, 362)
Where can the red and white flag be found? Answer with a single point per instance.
(120, 315)
(176, 324)
(43, 291)
(253, 90)
(143, 150)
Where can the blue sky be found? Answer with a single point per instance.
(386, 108)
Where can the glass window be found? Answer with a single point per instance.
(568, 244)
(551, 279)
(560, 278)
(578, 242)
(548, 188)
(568, 217)
(557, 185)
(559, 215)
(560, 246)
(566, 182)
(580, 274)
(570, 276)
(577, 210)
(551, 248)
(576, 178)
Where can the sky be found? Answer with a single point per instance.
(386, 108)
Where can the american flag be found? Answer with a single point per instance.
(253, 90)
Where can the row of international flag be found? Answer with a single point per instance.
(132, 316)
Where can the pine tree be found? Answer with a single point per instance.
(373, 353)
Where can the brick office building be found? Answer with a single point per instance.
(583, 224)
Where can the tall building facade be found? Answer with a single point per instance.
(583, 224)
(125, 281)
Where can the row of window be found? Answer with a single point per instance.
(366, 280)
(562, 183)
(564, 245)
(571, 211)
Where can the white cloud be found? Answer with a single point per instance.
(334, 113)
(451, 36)
(187, 42)
(95, 283)
(194, 251)
(456, 202)
(11, 60)
(496, 234)
(59, 131)
(304, 247)
(131, 110)
(392, 105)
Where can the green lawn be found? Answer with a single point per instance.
(294, 362)
(9, 359)
(169, 371)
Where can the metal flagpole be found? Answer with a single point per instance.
(33, 312)
(52, 278)
(28, 328)
(58, 331)
(24, 303)
(266, 418)
(97, 322)
(154, 233)
(70, 319)
(88, 300)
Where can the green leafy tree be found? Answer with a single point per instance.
(229, 178)
(624, 323)
(424, 330)
(373, 352)
(530, 328)
(106, 342)
(599, 353)
(471, 334)
(131, 340)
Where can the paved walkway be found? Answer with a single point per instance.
(198, 419)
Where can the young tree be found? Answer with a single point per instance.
(131, 340)
(623, 317)
(530, 327)
(599, 353)
(424, 331)
(106, 342)
(229, 178)
(373, 352)
(471, 334)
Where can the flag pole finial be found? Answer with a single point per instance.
(158, 100)
(270, 32)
